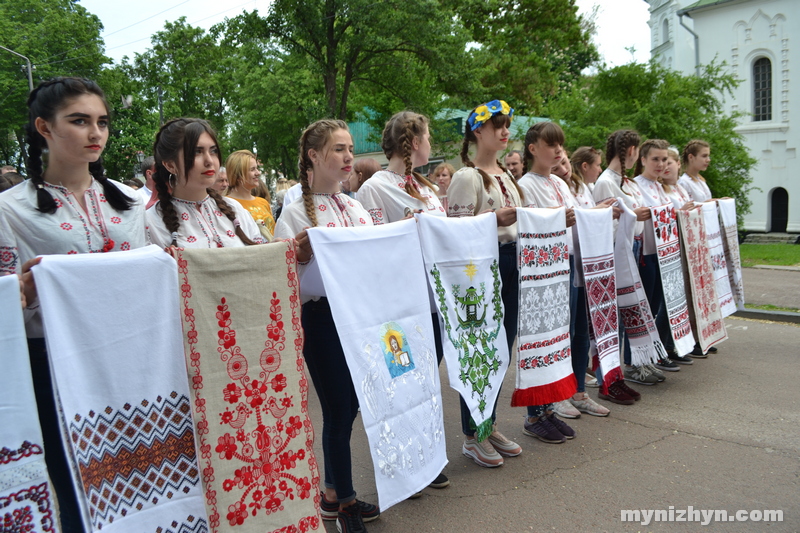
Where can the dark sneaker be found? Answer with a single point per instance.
(330, 510)
(561, 426)
(639, 374)
(713, 349)
(697, 352)
(616, 394)
(543, 430)
(349, 520)
(629, 391)
(667, 365)
(440, 482)
(680, 359)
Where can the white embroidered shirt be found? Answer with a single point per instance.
(385, 198)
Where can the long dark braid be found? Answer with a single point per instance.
(617, 146)
(44, 102)
(182, 134)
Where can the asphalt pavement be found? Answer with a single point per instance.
(775, 286)
(723, 433)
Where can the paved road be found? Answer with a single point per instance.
(721, 434)
(776, 287)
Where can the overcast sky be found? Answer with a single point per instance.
(128, 25)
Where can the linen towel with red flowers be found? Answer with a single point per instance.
(706, 317)
(244, 355)
(668, 250)
(718, 262)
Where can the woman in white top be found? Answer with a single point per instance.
(190, 213)
(696, 158)
(669, 181)
(389, 193)
(586, 164)
(485, 185)
(649, 168)
(622, 150)
(69, 207)
(326, 150)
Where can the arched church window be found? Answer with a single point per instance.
(762, 89)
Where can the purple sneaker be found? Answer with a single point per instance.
(543, 430)
(561, 426)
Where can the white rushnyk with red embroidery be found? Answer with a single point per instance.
(730, 243)
(26, 498)
(595, 254)
(727, 306)
(544, 363)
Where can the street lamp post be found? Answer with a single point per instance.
(28, 61)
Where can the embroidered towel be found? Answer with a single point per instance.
(634, 309)
(244, 354)
(714, 236)
(595, 232)
(544, 364)
(664, 225)
(376, 288)
(462, 261)
(730, 243)
(26, 498)
(113, 336)
(708, 323)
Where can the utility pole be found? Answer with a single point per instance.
(28, 61)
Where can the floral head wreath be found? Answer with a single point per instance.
(486, 111)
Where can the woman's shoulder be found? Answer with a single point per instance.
(466, 172)
(17, 196)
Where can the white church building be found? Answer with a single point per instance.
(755, 38)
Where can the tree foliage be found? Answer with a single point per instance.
(60, 38)
(662, 104)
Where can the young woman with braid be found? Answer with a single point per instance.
(586, 164)
(652, 162)
(67, 207)
(486, 185)
(189, 212)
(696, 158)
(388, 193)
(326, 151)
(543, 156)
(622, 151)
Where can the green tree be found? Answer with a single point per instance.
(60, 38)
(527, 50)
(663, 104)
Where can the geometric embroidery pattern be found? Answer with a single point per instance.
(136, 455)
(544, 308)
(27, 510)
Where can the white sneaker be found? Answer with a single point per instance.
(589, 406)
(564, 409)
(591, 381)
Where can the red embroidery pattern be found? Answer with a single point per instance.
(268, 453)
(25, 450)
(545, 255)
(18, 514)
(66, 226)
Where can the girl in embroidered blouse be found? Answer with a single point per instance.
(650, 167)
(544, 156)
(586, 164)
(406, 143)
(326, 152)
(243, 177)
(67, 207)
(696, 158)
(190, 213)
(669, 181)
(481, 186)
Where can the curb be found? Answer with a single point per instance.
(777, 267)
(772, 316)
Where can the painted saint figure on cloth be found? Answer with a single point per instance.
(396, 350)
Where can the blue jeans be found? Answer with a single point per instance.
(509, 276)
(54, 456)
(578, 329)
(328, 370)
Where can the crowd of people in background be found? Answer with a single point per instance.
(188, 199)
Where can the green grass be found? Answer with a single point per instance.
(769, 307)
(770, 254)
